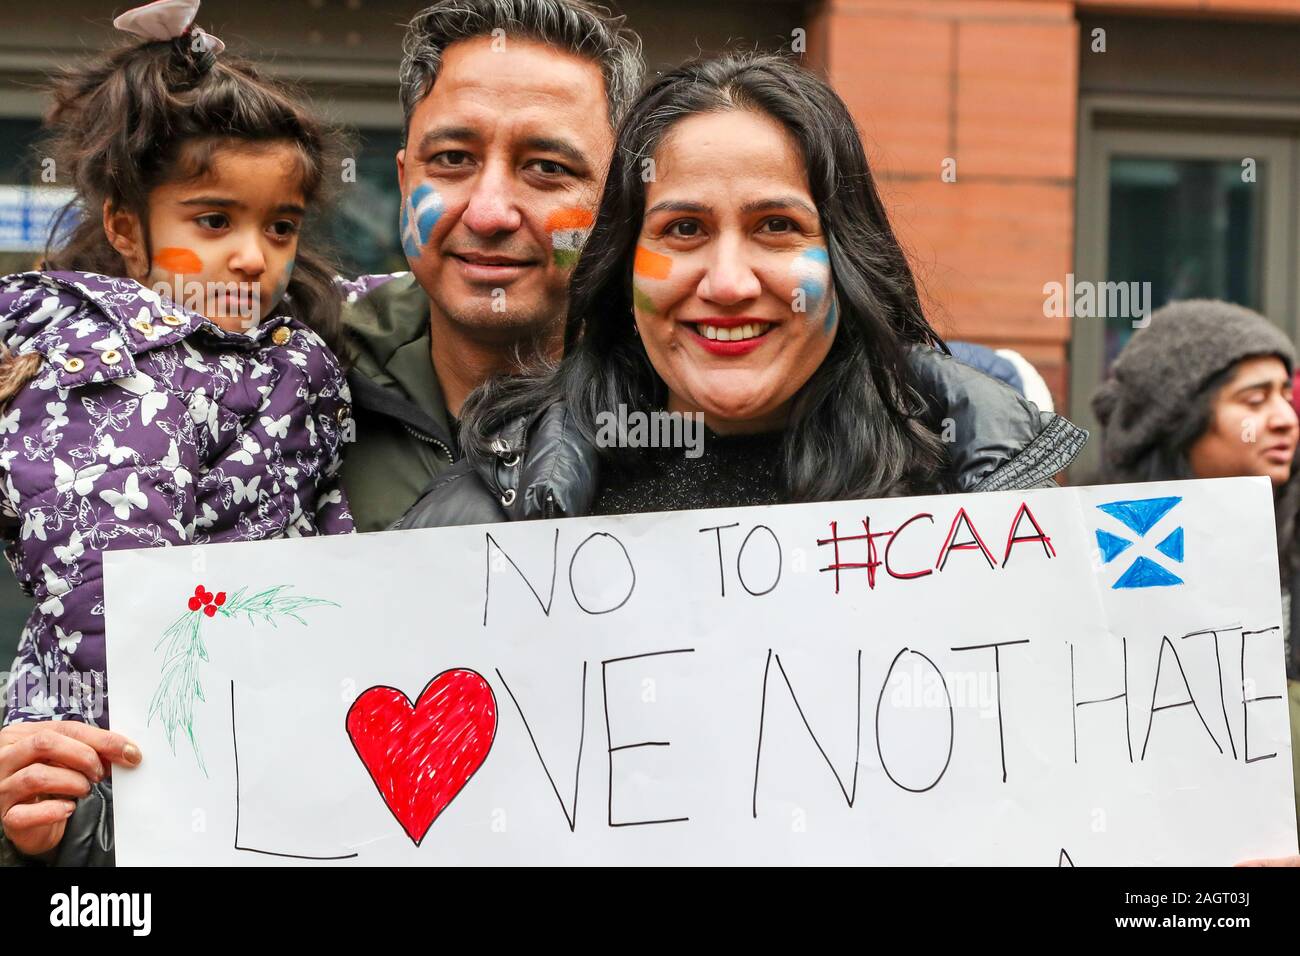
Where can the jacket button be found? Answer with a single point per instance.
(342, 414)
(281, 335)
(111, 357)
(173, 320)
(73, 365)
(143, 326)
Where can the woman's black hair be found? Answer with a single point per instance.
(855, 428)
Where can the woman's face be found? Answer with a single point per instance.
(732, 286)
(1253, 428)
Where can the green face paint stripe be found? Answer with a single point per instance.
(642, 301)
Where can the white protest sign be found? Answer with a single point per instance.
(1082, 676)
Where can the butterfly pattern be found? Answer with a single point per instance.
(147, 426)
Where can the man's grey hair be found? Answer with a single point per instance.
(573, 26)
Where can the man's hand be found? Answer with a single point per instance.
(45, 766)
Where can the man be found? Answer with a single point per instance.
(510, 109)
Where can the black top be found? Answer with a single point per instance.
(732, 471)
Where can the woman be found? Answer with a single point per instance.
(1204, 391)
(741, 268)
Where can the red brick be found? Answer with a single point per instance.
(895, 75)
(1017, 95)
(983, 252)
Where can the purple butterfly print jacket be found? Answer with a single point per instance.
(146, 426)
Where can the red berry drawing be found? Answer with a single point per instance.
(204, 599)
(179, 689)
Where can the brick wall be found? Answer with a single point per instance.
(991, 85)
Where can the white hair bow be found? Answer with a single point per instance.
(167, 20)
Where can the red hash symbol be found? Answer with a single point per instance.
(870, 564)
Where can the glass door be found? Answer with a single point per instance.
(1179, 215)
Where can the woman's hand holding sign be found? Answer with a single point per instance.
(45, 766)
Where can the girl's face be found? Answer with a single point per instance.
(1253, 428)
(222, 244)
(732, 288)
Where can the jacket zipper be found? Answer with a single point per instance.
(431, 440)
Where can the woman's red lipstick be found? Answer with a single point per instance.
(728, 348)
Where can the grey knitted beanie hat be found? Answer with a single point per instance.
(1157, 377)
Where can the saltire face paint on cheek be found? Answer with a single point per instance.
(832, 316)
(569, 229)
(813, 271)
(178, 260)
(654, 266)
(421, 211)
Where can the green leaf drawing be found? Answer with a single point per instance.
(183, 649)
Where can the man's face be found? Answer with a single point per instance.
(500, 178)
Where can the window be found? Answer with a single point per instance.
(362, 228)
(1187, 214)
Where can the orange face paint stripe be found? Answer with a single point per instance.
(569, 219)
(180, 261)
(569, 229)
(652, 265)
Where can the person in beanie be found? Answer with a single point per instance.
(1205, 391)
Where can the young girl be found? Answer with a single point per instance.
(167, 378)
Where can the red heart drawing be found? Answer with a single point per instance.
(420, 757)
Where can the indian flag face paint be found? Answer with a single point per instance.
(569, 229)
(421, 211)
(179, 261)
(650, 265)
(812, 270)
